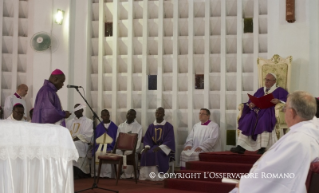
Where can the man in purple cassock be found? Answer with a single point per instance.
(47, 106)
(257, 125)
(106, 124)
(159, 146)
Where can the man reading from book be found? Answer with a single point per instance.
(257, 125)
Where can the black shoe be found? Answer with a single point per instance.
(261, 150)
(238, 150)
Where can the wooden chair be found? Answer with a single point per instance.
(125, 142)
(282, 68)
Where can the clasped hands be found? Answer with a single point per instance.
(156, 149)
(198, 149)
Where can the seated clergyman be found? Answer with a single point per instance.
(110, 128)
(17, 113)
(158, 142)
(81, 129)
(257, 125)
(204, 137)
(130, 126)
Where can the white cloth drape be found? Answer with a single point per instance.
(35, 158)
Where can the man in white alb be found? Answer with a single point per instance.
(204, 137)
(22, 91)
(130, 126)
(17, 113)
(81, 129)
(291, 155)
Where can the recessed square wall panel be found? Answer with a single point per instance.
(168, 9)
(215, 8)
(108, 14)
(7, 26)
(215, 27)
(138, 10)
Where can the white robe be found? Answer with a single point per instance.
(134, 127)
(292, 154)
(207, 137)
(83, 129)
(8, 105)
(11, 118)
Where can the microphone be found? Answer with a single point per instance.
(73, 86)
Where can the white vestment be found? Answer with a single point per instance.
(265, 139)
(146, 170)
(207, 137)
(134, 127)
(9, 102)
(291, 155)
(11, 118)
(83, 129)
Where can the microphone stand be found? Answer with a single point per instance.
(94, 185)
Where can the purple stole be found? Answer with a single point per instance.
(111, 131)
(252, 123)
(155, 136)
(15, 94)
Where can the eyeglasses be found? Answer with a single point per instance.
(268, 80)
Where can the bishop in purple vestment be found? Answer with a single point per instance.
(159, 144)
(256, 122)
(47, 106)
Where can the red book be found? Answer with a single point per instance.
(262, 102)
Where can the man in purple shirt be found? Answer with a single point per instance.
(47, 107)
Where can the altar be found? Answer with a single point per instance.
(36, 158)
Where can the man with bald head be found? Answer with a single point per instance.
(47, 106)
(257, 125)
(159, 144)
(22, 91)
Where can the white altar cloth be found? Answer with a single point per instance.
(36, 158)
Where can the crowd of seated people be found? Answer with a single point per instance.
(158, 142)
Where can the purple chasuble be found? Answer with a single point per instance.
(252, 123)
(111, 131)
(155, 136)
(47, 106)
